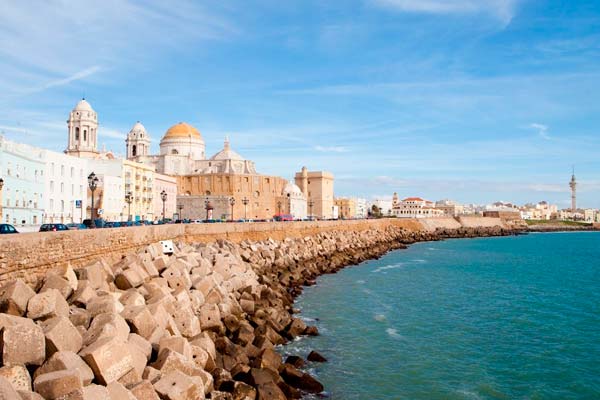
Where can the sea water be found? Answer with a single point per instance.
(490, 318)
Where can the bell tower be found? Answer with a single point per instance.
(137, 142)
(83, 131)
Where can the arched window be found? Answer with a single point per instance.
(76, 133)
(84, 135)
(134, 150)
(174, 151)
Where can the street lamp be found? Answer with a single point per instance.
(232, 203)
(93, 184)
(163, 197)
(180, 207)
(310, 206)
(245, 202)
(279, 207)
(129, 200)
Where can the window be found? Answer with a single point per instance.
(72, 172)
(133, 150)
(62, 187)
(51, 186)
(174, 151)
(62, 170)
(62, 206)
(52, 204)
(84, 135)
(77, 133)
(52, 168)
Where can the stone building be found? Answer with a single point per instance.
(83, 131)
(346, 207)
(450, 208)
(317, 186)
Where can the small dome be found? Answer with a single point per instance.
(227, 153)
(292, 190)
(182, 130)
(138, 128)
(83, 105)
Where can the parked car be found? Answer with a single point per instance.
(76, 226)
(53, 227)
(6, 229)
(283, 217)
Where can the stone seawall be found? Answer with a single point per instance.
(30, 255)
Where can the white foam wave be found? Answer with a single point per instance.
(393, 333)
(379, 317)
(360, 281)
(388, 267)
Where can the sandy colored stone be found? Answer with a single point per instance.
(18, 376)
(140, 320)
(96, 392)
(7, 391)
(210, 317)
(53, 281)
(144, 391)
(119, 392)
(109, 359)
(144, 345)
(64, 360)
(177, 386)
(22, 343)
(27, 395)
(61, 335)
(106, 325)
(48, 304)
(14, 297)
(55, 385)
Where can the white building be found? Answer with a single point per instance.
(384, 205)
(414, 207)
(109, 196)
(22, 169)
(65, 199)
(362, 208)
(295, 202)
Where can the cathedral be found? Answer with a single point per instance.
(223, 186)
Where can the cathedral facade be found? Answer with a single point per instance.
(224, 186)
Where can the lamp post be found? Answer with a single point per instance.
(245, 202)
(231, 203)
(93, 184)
(310, 206)
(279, 207)
(129, 200)
(163, 197)
(180, 207)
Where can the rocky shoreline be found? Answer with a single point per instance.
(190, 322)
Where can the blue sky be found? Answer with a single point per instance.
(475, 100)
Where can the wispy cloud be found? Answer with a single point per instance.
(502, 9)
(541, 129)
(331, 149)
(65, 81)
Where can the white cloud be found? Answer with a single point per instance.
(331, 149)
(501, 9)
(541, 129)
(56, 42)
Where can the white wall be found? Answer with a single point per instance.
(65, 183)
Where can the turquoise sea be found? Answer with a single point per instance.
(493, 318)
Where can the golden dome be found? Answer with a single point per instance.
(182, 130)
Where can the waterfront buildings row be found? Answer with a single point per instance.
(41, 186)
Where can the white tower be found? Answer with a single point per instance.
(573, 186)
(137, 142)
(83, 130)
